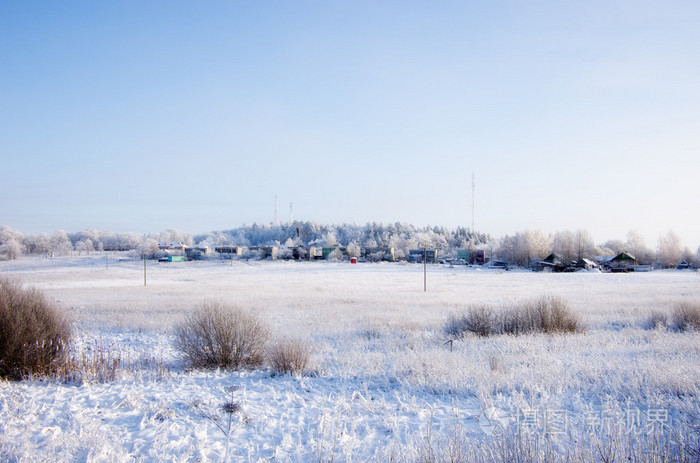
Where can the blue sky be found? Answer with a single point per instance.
(142, 116)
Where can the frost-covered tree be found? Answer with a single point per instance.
(636, 245)
(10, 250)
(614, 247)
(565, 245)
(148, 248)
(10, 243)
(525, 247)
(176, 236)
(38, 244)
(85, 246)
(584, 244)
(401, 246)
(329, 240)
(8, 234)
(687, 255)
(120, 241)
(90, 234)
(354, 249)
(669, 250)
(60, 243)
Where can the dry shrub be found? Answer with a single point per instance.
(478, 319)
(217, 335)
(548, 314)
(656, 319)
(544, 315)
(686, 316)
(289, 356)
(34, 336)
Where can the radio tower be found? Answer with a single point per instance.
(473, 195)
(291, 217)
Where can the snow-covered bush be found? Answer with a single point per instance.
(289, 356)
(218, 335)
(34, 336)
(686, 316)
(478, 319)
(544, 315)
(548, 314)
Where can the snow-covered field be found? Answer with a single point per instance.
(383, 376)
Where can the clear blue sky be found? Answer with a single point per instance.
(141, 116)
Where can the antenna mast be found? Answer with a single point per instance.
(473, 197)
(291, 217)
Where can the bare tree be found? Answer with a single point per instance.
(636, 245)
(565, 245)
(584, 243)
(615, 247)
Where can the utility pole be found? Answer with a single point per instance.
(473, 199)
(425, 270)
(275, 219)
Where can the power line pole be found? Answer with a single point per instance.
(473, 200)
(425, 270)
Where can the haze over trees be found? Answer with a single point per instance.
(522, 248)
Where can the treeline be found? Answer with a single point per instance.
(524, 248)
(521, 249)
(401, 237)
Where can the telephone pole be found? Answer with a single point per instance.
(473, 199)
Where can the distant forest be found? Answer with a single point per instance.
(522, 248)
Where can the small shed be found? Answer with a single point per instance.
(472, 256)
(623, 262)
(586, 264)
(624, 258)
(226, 249)
(551, 263)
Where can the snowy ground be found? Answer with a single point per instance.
(382, 372)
